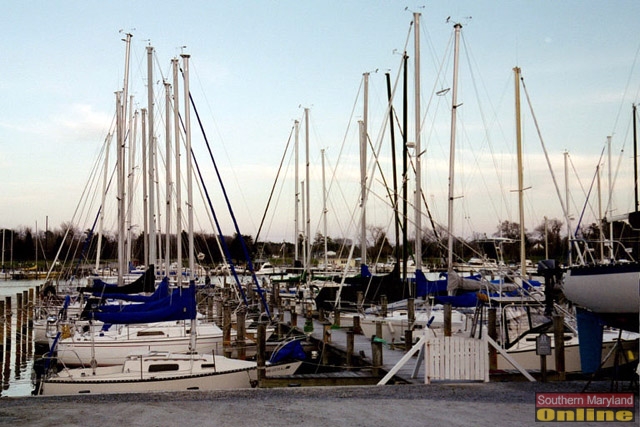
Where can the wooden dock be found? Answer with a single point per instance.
(365, 350)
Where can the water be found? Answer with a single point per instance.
(18, 351)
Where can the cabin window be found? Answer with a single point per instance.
(163, 367)
(150, 333)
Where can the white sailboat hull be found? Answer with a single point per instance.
(611, 291)
(110, 349)
(526, 355)
(604, 289)
(155, 372)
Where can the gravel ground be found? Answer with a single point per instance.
(463, 404)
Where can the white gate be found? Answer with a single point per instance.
(456, 359)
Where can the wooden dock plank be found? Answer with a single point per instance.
(362, 347)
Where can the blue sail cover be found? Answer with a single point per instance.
(292, 349)
(180, 305)
(161, 291)
(469, 299)
(426, 287)
(144, 283)
(364, 270)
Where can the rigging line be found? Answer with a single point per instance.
(235, 222)
(588, 194)
(546, 155)
(226, 249)
(392, 203)
(626, 88)
(424, 200)
(274, 185)
(84, 200)
(440, 79)
(222, 145)
(593, 180)
(221, 241)
(344, 138)
(615, 177)
(487, 135)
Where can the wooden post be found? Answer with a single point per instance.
(447, 320)
(411, 312)
(275, 293)
(326, 335)
(336, 317)
(7, 318)
(250, 295)
(379, 329)
(359, 299)
(383, 304)
(280, 322)
(241, 343)
(19, 309)
(218, 304)
(294, 317)
(356, 325)
(2, 322)
(226, 328)
(493, 334)
(408, 340)
(350, 347)
(308, 323)
(19, 334)
(326, 339)
(376, 354)
(558, 329)
(260, 356)
(32, 304)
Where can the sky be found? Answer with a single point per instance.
(256, 66)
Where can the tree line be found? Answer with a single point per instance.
(22, 247)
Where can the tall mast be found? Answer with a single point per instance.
(523, 267)
(145, 187)
(187, 121)
(151, 160)
(610, 198)
(452, 149)
(417, 198)
(176, 129)
(296, 255)
(601, 237)
(120, 187)
(167, 250)
(405, 156)
(363, 172)
(635, 158)
(133, 120)
(307, 181)
(568, 214)
(105, 179)
(394, 172)
(324, 213)
(125, 86)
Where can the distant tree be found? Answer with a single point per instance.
(553, 237)
(381, 248)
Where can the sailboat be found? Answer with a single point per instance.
(156, 345)
(162, 371)
(609, 292)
